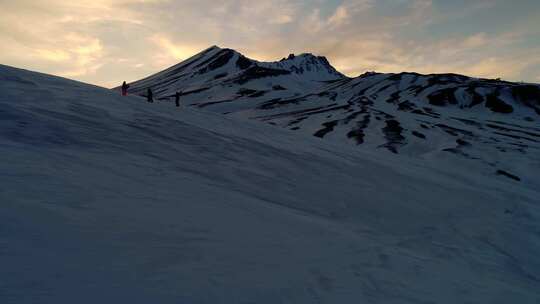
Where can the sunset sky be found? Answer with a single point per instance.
(107, 41)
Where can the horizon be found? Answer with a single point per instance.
(105, 42)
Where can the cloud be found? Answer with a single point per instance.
(52, 55)
(501, 67)
(475, 41)
(281, 19)
(106, 41)
(168, 51)
(339, 17)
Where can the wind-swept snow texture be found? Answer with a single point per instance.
(109, 199)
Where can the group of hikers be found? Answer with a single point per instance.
(150, 94)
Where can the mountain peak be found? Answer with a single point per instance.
(214, 47)
(216, 63)
(293, 56)
(309, 65)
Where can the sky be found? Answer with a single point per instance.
(107, 41)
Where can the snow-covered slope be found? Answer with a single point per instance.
(488, 123)
(106, 198)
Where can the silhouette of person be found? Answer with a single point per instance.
(125, 88)
(149, 95)
(177, 99)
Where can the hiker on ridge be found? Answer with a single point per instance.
(125, 88)
(177, 99)
(149, 96)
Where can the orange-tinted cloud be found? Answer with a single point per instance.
(107, 41)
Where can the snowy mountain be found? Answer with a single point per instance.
(105, 198)
(116, 199)
(487, 122)
(216, 67)
(306, 66)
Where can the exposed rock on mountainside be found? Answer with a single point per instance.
(405, 113)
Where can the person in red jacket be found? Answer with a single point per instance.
(125, 88)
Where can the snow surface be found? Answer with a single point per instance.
(110, 199)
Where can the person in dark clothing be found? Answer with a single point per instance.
(149, 95)
(125, 88)
(177, 99)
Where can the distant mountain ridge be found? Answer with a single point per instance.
(479, 120)
(216, 65)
